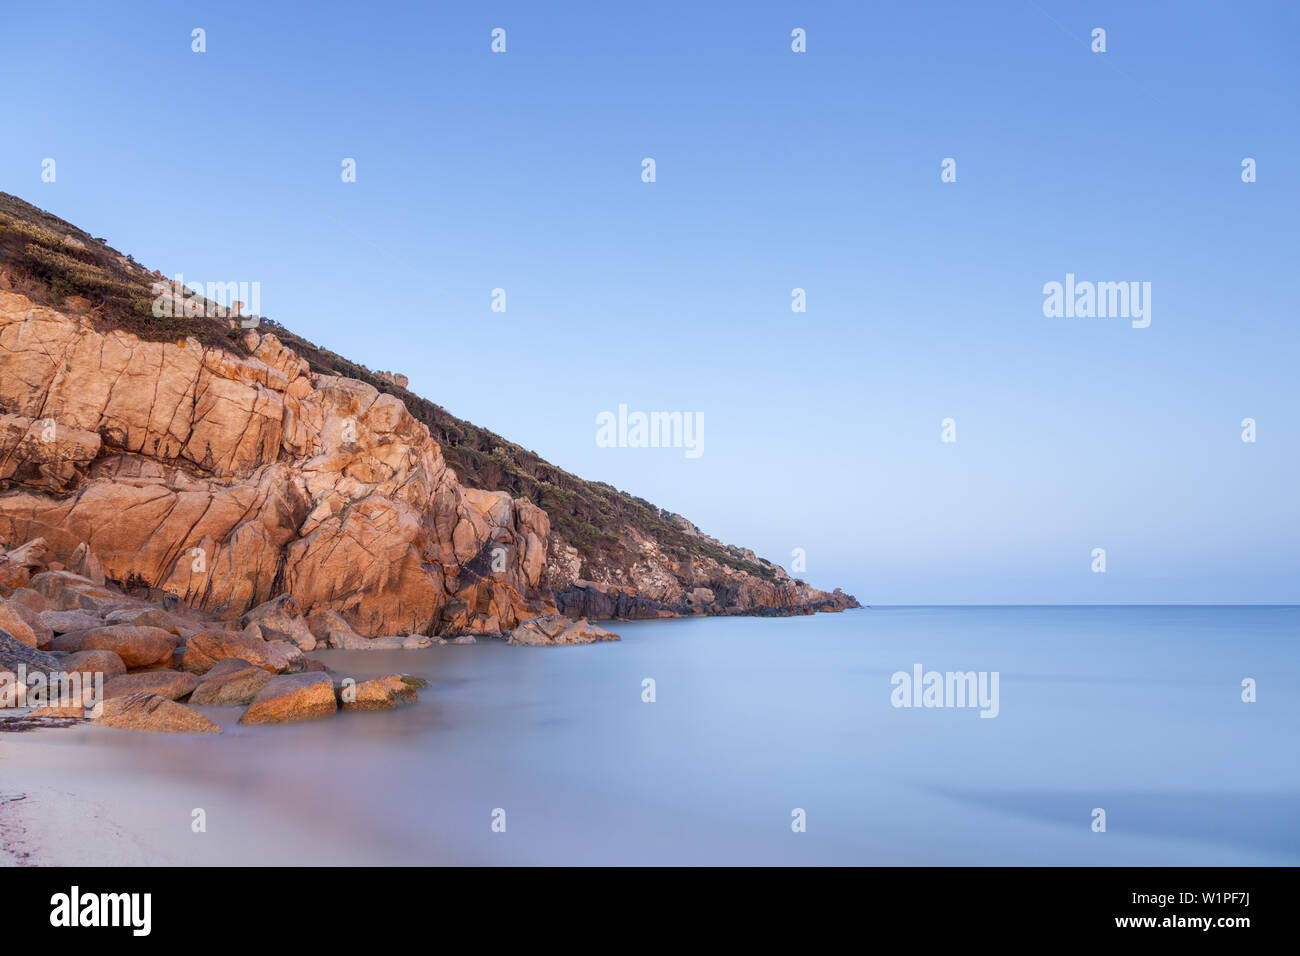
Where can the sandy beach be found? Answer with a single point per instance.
(62, 803)
(45, 826)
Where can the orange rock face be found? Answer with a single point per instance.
(227, 481)
(292, 697)
(155, 714)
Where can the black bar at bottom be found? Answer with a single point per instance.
(332, 906)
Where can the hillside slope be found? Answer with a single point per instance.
(258, 417)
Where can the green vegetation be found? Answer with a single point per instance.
(51, 262)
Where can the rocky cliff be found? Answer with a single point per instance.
(228, 465)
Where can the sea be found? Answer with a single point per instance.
(1132, 736)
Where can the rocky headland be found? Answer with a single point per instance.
(234, 476)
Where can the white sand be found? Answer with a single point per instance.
(67, 800)
(49, 827)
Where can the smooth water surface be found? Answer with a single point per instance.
(1136, 710)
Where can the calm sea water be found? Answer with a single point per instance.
(1136, 710)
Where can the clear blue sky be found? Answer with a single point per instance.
(775, 170)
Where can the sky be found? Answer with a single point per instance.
(774, 170)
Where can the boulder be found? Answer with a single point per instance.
(332, 629)
(382, 693)
(149, 712)
(18, 566)
(94, 662)
(358, 643)
(203, 650)
(170, 684)
(145, 616)
(28, 598)
(17, 662)
(101, 600)
(44, 633)
(86, 563)
(69, 642)
(12, 577)
(553, 630)
(137, 646)
(292, 697)
(60, 622)
(15, 626)
(14, 652)
(415, 641)
(60, 711)
(279, 619)
(699, 597)
(61, 589)
(335, 632)
(230, 683)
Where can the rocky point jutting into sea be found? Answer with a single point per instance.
(192, 460)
